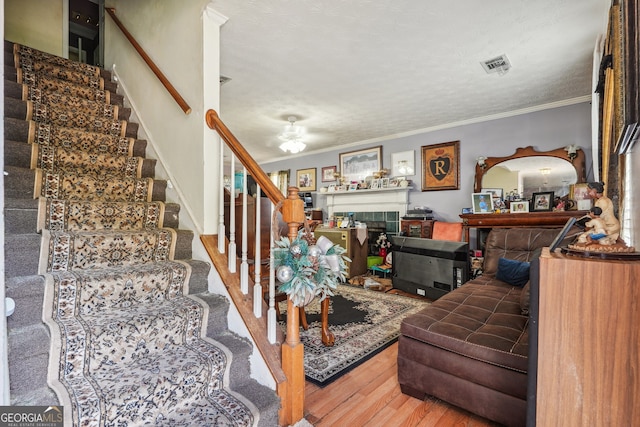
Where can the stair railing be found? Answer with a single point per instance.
(152, 65)
(291, 388)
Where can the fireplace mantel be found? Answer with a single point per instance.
(383, 199)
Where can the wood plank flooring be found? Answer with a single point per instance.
(370, 396)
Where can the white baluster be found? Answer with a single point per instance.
(232, 218)
(221, 230)
(271, 313)
(257, 284)
(244, 265)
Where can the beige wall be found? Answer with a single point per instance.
(36, 23)
(171, 33)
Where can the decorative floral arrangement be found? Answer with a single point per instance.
(307, 270)
(383, 242)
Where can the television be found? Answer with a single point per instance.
(429, 267)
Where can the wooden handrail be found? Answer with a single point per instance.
(172, 90)
(269, 188)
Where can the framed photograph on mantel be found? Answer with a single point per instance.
(306, 179)
(441, 166)
(542, 201)
(355, 166)
(328, 173)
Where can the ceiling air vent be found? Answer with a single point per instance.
(224, 79)
(499, 64)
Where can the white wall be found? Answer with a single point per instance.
(171, 33)
(48, 35)
(544, 130)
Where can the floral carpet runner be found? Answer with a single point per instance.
(364, 322)
(128, 343)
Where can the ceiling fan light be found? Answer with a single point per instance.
(293, 146)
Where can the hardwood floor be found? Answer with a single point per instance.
(370, 396)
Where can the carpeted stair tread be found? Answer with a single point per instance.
(151, 329)
(17, 154)
(83, 215)
(73, 186)
(54, 159)
(45, 134)
(18, 182)
(176, 394)
(19, 251)
(66, 103)
(65, 251)
(20, 216)
(41, 113)
(28, 360)
(25, 290)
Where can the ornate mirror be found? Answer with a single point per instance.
(528, 171)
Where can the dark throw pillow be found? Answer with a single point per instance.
(515, 273)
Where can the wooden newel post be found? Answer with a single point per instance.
(293, 350)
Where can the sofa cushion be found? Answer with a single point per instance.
(524, 299)
(514, 243)
(481, 320)
(513, 272)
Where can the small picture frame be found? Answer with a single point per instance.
(328, 173)
(384, 182)
(542, 202)
(580, 194)
(306, 179)
(520, 206)
(394, 182)
(496, 193)
(482, 203)
(375, 184)
(353, 187)
(331, 189)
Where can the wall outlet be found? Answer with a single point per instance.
(421, 292)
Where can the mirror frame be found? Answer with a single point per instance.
(561, 153)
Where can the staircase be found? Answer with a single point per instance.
(73, 145)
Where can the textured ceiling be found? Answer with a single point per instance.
(354, 71)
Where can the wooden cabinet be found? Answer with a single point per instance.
(417, 227)
(348, 239)
(588, 359)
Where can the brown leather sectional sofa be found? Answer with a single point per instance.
(470, 348)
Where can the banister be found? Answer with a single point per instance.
(165, 82)
(291, 392)
(269, 188)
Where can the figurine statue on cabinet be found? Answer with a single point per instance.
(603, 228)
(595, 227)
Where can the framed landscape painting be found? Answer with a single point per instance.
(355, 166)
(441, 166)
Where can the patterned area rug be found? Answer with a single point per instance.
(364, 323)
